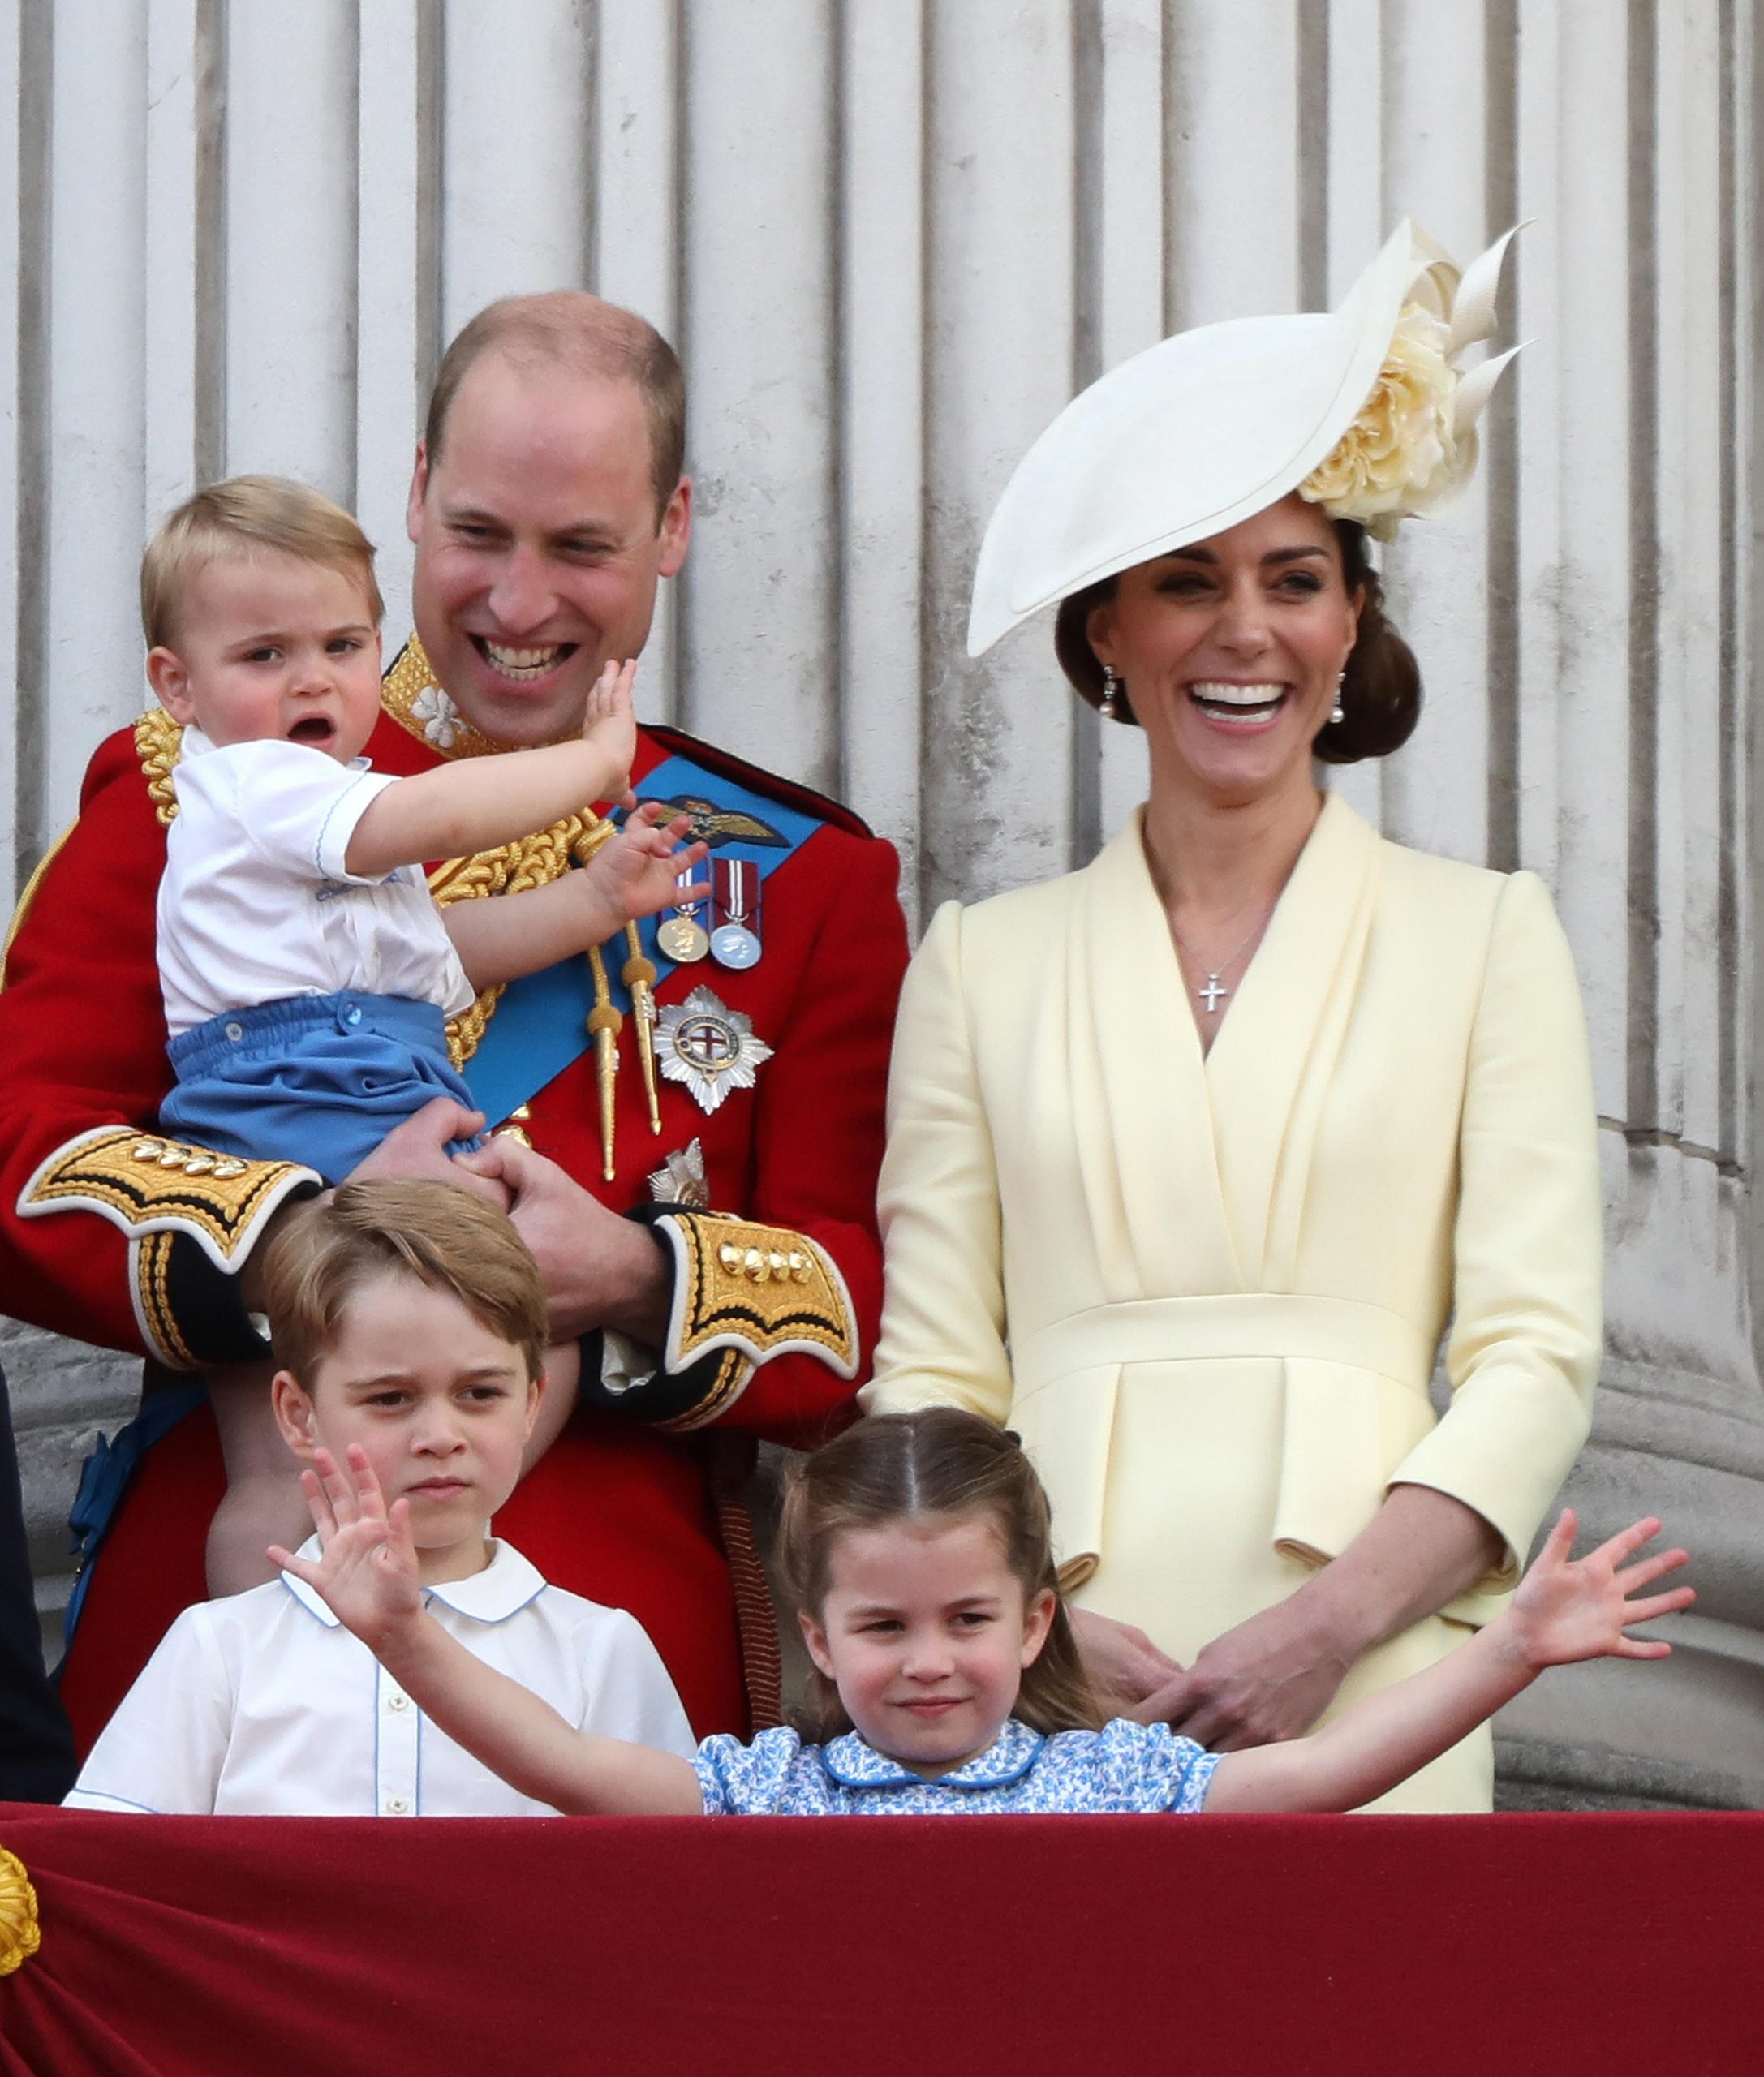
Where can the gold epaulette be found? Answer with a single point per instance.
(755, 1292)
(144, 1183)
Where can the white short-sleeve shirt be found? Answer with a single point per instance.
(263, 1704)
(255, 903)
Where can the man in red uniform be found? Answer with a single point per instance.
(722, 1270)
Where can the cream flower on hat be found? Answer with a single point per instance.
(1363, 409)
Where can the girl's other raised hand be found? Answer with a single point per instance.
(365, 1569)
(1567, 1608)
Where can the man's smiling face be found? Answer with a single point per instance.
(538, 546)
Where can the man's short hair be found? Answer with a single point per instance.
(323, 1251)
(571, 329)
(245, 517)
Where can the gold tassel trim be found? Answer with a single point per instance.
(20, 1934)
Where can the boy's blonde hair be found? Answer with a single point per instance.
(451, 1239)
(242, 517)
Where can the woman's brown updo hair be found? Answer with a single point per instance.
(1380, 689)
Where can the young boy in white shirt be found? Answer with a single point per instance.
(411, 1319)
(307, 974)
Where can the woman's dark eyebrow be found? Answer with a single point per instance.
(1274, 555)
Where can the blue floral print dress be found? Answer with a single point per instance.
(1124, 1767)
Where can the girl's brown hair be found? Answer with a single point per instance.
(1380, 687)
(940, 1462)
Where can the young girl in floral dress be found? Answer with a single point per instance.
(917, 1549)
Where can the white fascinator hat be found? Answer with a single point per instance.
(1365, 410)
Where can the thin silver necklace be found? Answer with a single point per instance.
(1214, 994)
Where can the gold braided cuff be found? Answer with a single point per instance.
(146, 1184)
(732, 1374)
(756, 1291)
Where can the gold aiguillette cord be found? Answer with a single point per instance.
(639, 975)
(604, 1022)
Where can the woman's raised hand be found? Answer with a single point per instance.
(365, 1569)
(1567, 1608)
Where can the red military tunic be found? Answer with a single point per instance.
(620, 1509)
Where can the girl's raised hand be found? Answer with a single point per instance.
(366, 1571)
(1569, 1608)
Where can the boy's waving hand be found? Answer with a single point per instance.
(365, 1569)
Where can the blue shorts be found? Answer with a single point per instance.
(317, 1079)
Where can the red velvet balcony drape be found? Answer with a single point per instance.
(1325, 1947)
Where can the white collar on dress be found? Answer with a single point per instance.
(504, 1587)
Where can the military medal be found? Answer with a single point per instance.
(735, 898)
(709, 1047)
(682, 937)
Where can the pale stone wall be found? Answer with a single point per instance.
(891, 237)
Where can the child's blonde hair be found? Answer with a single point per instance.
(242, 517)
(451, 1239)
(940, 1462)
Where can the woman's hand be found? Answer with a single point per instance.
(365, 1569)
(1568, 1609)
(1269, 1679)
(1122, 1661)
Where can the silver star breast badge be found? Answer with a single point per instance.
(680, 1179)
(710, 1048)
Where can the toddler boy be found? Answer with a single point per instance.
(411, 1320)
(306, 972)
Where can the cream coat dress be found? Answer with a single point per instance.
(1208, 1291)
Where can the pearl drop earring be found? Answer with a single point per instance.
(1338, 713)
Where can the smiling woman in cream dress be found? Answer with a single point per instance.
(1196, 1155)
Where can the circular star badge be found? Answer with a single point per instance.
(710, 1048)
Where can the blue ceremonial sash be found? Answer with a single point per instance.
(540, 1022)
